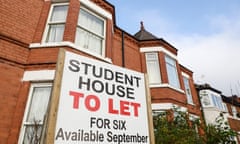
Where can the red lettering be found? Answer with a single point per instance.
(110, 107)
(124, 108)
(135, 108)
(94, 99)
(76, 97)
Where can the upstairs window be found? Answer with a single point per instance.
(217, 102)
(153, 69)
(90, 33)
(234, 111)
(172, 72)
(188, 90)
(56, 23)
(35, 113)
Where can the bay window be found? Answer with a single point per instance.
(153, 68)
(172, 72)
(90, 34)
(35, 113)
(56, 23)
(187, 90)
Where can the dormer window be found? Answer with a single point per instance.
(56, 23)
(90, 33)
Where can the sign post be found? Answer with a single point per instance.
(100, 103)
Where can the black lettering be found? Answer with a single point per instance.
(128, 80)
(99, 73)
(130, 93)
(74, 66)
(81, 83)
(60, 134)
(108, 74)
(86, 65)
(110, 90)
(120, 91)
(97, 86)
(119, 77)
(137, 80)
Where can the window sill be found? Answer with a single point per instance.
(69, 44)
(165, 86)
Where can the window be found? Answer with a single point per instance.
(153, 69)
(217, 101)
(90, 33)
(187, 90)
(56, 23)
(172, 72)
(35, 112)
(234, 111)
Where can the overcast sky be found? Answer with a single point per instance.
(205, 32)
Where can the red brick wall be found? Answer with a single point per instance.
(71, 22)
(23, 22)
(18, 19)
(10, 77)
(13, 52)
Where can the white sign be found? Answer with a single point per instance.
(100, 103)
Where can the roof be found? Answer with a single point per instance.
(231, 100)
(206, 87)
(142, 34)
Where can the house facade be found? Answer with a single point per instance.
(214, 103)
(33, 32)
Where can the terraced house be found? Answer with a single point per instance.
(214, 104)
(31, 34)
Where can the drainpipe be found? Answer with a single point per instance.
(123, 52)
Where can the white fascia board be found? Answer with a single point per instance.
(166, 106)
(39, 75)
(69, 44)
(185, 75)
(96, 8)
(158, 49)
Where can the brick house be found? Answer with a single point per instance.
(33, 31)
(214, 103)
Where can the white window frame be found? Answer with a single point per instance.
(189, 95)
(157, 70)
(103, 37)
(23, 127)
(176, 72)
(47, 26)
(234, 111)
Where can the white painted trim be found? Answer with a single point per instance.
(48, 19)
(185, 75)
(97, 9)
(40, 75)
(158, 49)
(167, 106)
(69, 44)
(166, 85)
(26, 111)
(193, 116)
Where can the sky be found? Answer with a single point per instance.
(205, 32)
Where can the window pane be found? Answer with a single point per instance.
(172, 72)
(90, 32)
(32, 134)
(55, 33)
(153, 69)
(91, 22)
(187, 90)
(59, 13)
(38, 104)
(89, 41)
